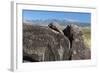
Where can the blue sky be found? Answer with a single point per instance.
(45, 15)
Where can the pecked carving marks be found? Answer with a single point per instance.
(78, 50)
(40, 43)
(49, 43)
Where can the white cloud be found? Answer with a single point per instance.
(72, 20)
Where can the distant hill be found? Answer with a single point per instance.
(60, 22)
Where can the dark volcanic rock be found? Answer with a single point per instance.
(78, 50)
(40, 43)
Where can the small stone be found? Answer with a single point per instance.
(74, 52)
(76, 40)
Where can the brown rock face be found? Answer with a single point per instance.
(78, 50)
(40, 43)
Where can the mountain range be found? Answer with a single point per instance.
(60, 22)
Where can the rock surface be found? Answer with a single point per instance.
(78, 50)
(56, 27)
(40, 43)
(50, 43)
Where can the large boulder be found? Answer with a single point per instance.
(78, 50)
(41, 43)
(56, 27)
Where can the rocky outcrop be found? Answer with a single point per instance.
(41, 43)
(50, 43)
(78, 50)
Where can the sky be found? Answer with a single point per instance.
(45, 15)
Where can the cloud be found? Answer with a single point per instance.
(72, 20)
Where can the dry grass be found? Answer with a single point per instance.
(87, 36)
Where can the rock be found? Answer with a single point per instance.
(78, 50)
(56, 27)
(40, 43)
